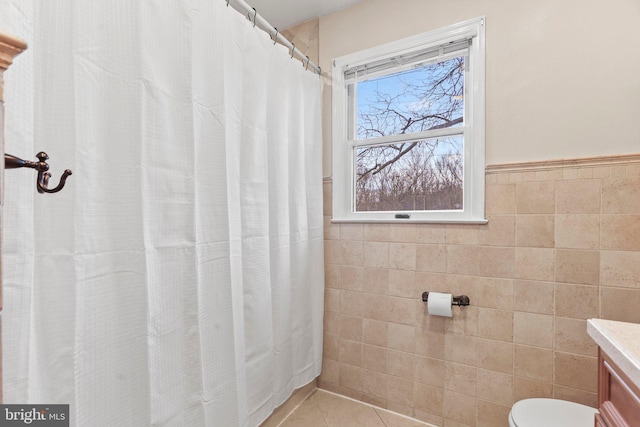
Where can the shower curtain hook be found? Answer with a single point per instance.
(255, 12)
(293, 48)
(307, 66)
(275, 37)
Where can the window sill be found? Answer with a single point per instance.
(479, 221)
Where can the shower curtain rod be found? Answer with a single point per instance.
(257, 19)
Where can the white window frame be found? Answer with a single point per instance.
(343, 188)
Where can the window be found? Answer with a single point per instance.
(408, 129)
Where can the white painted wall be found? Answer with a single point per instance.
(563, 76)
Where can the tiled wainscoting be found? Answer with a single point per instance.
(562, 245)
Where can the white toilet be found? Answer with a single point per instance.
(550, 413)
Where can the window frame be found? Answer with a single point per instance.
(343, 157)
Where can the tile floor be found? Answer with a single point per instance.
(325, 409)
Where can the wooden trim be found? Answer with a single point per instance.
(10, 47)
(563, 163)
(600, 422)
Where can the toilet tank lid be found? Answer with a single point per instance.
(551, 413)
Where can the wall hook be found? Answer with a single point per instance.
(42, 180)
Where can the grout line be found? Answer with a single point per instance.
(326, 422)
(375, 411)
(298, 405)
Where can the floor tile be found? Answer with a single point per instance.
(325, 409)
(308, 414)
(339, 411)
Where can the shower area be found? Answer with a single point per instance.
(177, 279)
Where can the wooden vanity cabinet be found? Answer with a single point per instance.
(618, 397)
(599, 421)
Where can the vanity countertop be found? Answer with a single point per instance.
(621, 342)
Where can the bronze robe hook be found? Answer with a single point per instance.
(42, 180)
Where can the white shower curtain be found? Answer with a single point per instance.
(177, 279)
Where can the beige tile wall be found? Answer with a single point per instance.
(562, 245)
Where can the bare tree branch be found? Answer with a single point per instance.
(418, 174)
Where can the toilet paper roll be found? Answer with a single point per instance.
(440, 304)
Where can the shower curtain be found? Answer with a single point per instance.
(177, 279)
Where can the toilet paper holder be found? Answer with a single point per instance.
(460, 300)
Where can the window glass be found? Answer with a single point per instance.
(410, 176)
(416, 100)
